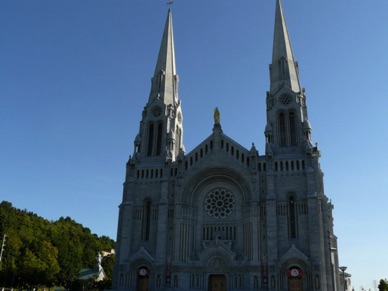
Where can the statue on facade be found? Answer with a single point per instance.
(216, 116)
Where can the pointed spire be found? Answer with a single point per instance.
(165, 80)
(160, 135)
(284, 69)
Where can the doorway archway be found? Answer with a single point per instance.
(217, 282)
(142, 280)
(295, 279)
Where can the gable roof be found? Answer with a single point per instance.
(92, 274)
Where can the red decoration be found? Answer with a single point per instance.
(295, 272)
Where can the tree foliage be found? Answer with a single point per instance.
(383, 285)
(39, 252)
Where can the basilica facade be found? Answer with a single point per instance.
(223, 217)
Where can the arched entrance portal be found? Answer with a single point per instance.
(217, 283)
(295, 279)
(142, 281)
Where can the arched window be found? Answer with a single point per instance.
(150, 139)
(282, 130)
(159, 139)
(282, 67)
(292, 216)
(146, 220)
(292, 120)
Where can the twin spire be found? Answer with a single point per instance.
(161, 129)
(284, 69)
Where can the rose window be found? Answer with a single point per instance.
(219, 203)
(285, 100)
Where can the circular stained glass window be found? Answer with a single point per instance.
(219, 203)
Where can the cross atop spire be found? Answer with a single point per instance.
(169, 3)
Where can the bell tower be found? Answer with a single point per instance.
(160, 133)
(288, 129)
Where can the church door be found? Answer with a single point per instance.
(217, 283)
(295, 284)
(142, 283)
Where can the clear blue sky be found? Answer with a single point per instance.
(75, 76)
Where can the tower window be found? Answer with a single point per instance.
(159, 139)
(150, 139)
(282, 67)
(292, 223)
(146, 220)
(282, 129)
(292, 128)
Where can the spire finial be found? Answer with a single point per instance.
(169, 3)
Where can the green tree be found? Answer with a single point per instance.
(67, 238)
(108, 264)
(43, 253)
(383, 285)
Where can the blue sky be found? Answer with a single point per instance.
(75, 76)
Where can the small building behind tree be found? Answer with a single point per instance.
(88, 277)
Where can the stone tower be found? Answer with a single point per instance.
(223, 217)
(160, 133)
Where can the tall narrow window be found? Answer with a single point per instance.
(282, 67)
(292, 217)
(146, 220)
(150, 139)
(292, 128)
(282, 129)
(159, 139)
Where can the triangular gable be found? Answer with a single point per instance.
(91, 274)
(142, 254)
(294, 253)
(220, 147)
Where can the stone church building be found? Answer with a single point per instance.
(223, 217)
